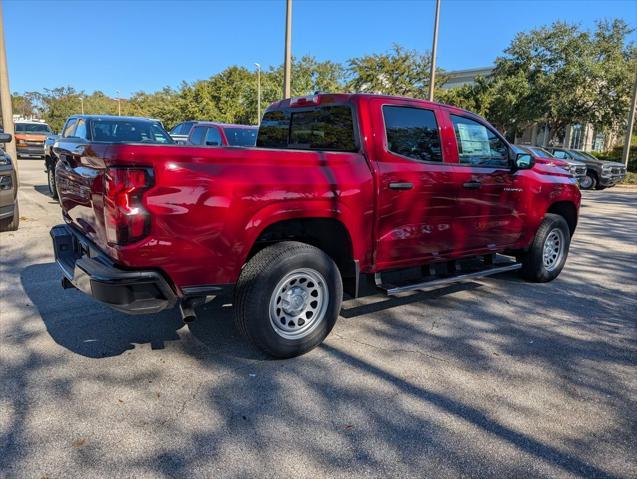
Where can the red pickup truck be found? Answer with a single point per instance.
(342, 192)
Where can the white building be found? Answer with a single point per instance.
(579, 137)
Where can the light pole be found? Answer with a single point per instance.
(258, 93)
(119, 105)
(629, 127)
(5, 96)
(432, 75)
(82, 104)
(287, 64)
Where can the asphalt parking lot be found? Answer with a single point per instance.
(496, 377)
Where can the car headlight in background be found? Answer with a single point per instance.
(5, 160)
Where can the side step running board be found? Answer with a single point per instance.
(435, 282)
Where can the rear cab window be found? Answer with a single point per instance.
(329, 127)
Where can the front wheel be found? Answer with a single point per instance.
(53, 191)
(12, 222)
(547, 255)
(288, 298)
(589, 182)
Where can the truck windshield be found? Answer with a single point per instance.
(32, 128)
(540, 152)
(241, 136)
(328, 128)
(129, 131)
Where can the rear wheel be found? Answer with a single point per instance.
(547, 255)
(11, 223)
(589, 182)
(288, 298)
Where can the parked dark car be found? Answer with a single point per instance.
(206, 133)
(82, 132)
(575, 168)
(9, 210)
(599, 174)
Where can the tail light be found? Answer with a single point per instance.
(125, 218)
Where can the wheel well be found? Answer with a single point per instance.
(327, 234)
(566, 210)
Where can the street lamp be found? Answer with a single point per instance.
(432, 75)
(287, 63)
(258, 93)
(119, 105)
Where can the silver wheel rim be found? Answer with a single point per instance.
(298, 303)
(586, 182)
(553, 250)
(51, 180)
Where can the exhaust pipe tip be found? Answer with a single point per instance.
(187, 311)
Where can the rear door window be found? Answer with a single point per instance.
(412, 132)
(213, 137)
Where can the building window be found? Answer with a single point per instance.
(577, 137)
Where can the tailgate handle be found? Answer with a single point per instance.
(401, 186)
(472, 185)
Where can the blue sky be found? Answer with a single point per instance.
(145, 44)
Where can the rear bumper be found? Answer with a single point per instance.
(31, 151)
(90, 271)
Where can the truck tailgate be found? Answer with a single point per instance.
(80, 183)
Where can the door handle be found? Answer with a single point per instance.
(472, 185)
(401, 186)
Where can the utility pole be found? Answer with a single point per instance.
(434, 48)
(82, 103)
(287, 64)
(630, 125)
(258, 93)
(5, 96)
(119, 105)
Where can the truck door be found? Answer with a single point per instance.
(416, 196)
(487, 214)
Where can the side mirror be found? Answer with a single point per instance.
(523, 161)
(5, 138)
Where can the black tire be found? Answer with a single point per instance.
(590, 182)
(50, 173)
(13, 222)
(260, 281)
(534, 267)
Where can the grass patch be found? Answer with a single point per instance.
(630, 178)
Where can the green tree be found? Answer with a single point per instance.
(399, 72)
(573, 76)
